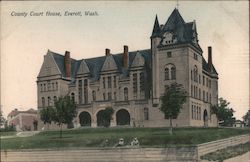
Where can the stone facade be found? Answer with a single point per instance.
(133, 82)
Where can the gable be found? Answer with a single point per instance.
(109, 64)
(49, 66)
(83, 69)
(138, 60)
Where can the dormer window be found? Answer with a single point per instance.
(167, 38)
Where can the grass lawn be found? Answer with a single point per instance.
(7, 133)
(95, 137)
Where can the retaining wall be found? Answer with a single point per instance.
(213, 146)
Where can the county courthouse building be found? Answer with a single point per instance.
(132, 82)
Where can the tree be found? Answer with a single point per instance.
(65, 111)
(47, 115)
(2, 119)
(223, 112)
(246, 118)
(172, 101)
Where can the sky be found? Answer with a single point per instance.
(224, 25)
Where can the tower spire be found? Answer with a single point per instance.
(177, 4)
(156, 29)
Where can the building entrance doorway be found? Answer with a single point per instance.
(122, 117)
(205, 118)
(85, 119)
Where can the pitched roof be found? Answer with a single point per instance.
(156, 30)
(206, 67)
(174, 21)
(59, 59)
(95, 64)
(182, 31)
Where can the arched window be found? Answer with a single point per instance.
(49, 101)
(41, 87)
(56, 86)
(43, 102)
(173, 76)
(126, 94)
(195, 73)
(73, 97)
(146, 114)
(170, 72)
(93, 95)
(55, 99)
(166, 73)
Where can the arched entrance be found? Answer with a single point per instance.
(122, 117)
(102, 119)
(205, 118)
(85, 119)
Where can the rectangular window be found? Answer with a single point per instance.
(109, 96)
(80, 91)
(103, 82)
(195, 56)
(85, 91)
(41, 87)
(192, 112)
(48, 86)
(114, 81)
(203, 80)
(135, 85)
(203, 94)
(169, 54)
(104, 96)
(115, 96)
(142, 84)
(207, 82)
(109, 82)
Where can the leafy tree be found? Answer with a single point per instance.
(47, 115)
(223, 112)
(172, 101)
(2, 119)
(106, 116)
(65, 111)
(246, 118)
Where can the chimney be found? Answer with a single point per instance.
(210, 63)
(125, 57)
(67, 64)
(107, 52)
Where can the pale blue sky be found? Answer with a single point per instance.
(224, 25)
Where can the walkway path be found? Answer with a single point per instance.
(22, 134)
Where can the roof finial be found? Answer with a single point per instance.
(177, 4)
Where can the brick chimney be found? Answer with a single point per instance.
(125, 57)
(210, 62)
(107, 51)
(67, 64)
